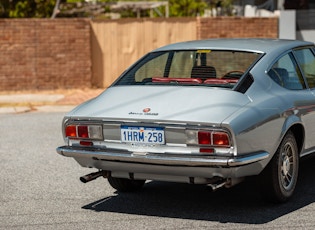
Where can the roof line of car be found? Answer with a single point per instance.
(258, 45)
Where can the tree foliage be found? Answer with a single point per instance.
(26, 8)
(45, 8)
(186, 8)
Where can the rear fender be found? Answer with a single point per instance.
(294, 124)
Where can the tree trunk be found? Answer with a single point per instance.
(56, 9)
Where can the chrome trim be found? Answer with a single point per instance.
(161, 159)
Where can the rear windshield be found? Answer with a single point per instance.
(190, 67)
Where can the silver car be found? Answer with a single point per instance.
(210, 112)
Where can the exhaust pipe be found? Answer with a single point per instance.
(215, 187)
(93, 176)
(228, 183)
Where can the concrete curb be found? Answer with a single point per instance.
(45, 101)
(30, 98)
(19, 109)
(44, 108)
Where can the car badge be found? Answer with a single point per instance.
(146, 110)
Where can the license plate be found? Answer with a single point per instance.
(144, 135)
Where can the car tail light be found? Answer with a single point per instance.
(84, 132)
(71, 131)
(215, 138)
(220, 139)
(208, 140)
(86, 143)
(204, 138)
(206, 150)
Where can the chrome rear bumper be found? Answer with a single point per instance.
(161, 159)
(167, 167)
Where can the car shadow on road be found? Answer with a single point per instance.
(240, 204)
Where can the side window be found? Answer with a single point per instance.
(284, 72)
(306, 59)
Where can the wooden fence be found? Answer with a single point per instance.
(80, 53)
(117, 44)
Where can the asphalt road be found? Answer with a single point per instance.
(40, 189)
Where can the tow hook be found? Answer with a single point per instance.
(93, 176)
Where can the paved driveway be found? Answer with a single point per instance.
(41, 190)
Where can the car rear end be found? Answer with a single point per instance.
(163, 119)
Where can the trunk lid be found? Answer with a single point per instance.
(163, 103)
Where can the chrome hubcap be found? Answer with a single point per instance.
(287, 166)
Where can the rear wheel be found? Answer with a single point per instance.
(279, 178)
(125, 185)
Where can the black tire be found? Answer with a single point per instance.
(125, 185)
(279, 178)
